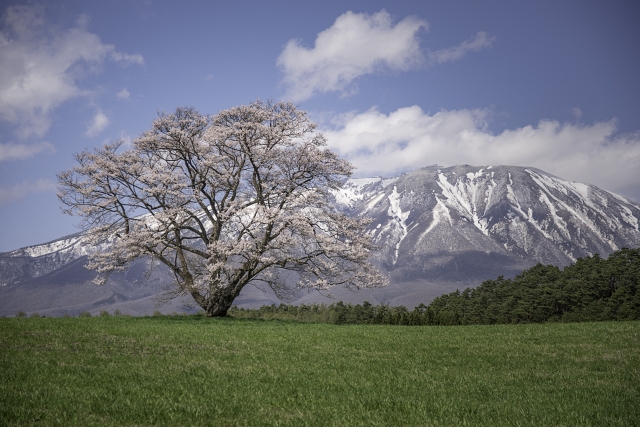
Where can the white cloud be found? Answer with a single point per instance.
(409, 138)
(123, 94)
(18, 191)
(40, 64)
(481, 41)
(124, 58)
(11, 151)
(577, 113)
(99, 122)
(355, 45)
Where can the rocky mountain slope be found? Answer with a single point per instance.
(514, 212)
(438, 229)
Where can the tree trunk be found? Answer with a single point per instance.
(217, 310)
(217, 305)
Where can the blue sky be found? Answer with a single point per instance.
(394, 85)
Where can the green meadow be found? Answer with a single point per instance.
(193, 371)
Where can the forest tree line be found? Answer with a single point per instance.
(591, 289)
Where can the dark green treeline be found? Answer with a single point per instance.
(592, 289)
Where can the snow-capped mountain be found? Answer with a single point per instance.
(35, 261)
(438, 229)
(517, 212)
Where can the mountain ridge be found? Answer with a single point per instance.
(438, 228)
(579, 218)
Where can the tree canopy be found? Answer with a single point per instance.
(591, 289)
(223, 201)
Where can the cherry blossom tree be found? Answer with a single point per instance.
(242, 197)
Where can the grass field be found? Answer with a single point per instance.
(188, 371)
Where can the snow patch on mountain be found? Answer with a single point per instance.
(62, 245)
(352, 191)
(557, 220)
(464, 194)
(400, 217)
(628, 217)
(373, 202)
(578, 213)
(440, 211)
(355, 190)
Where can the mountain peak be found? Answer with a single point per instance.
(513, 210)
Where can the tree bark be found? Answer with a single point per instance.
(217, 310)
(218, 305)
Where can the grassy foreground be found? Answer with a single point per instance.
(226, 372)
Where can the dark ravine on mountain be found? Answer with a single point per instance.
(439, 229)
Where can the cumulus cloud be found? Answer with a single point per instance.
(98, 124)
(18, 191)
(409, 138)
(355, 45)
(40, 65)
(11, 151)
(481, 41)
(123, 94)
